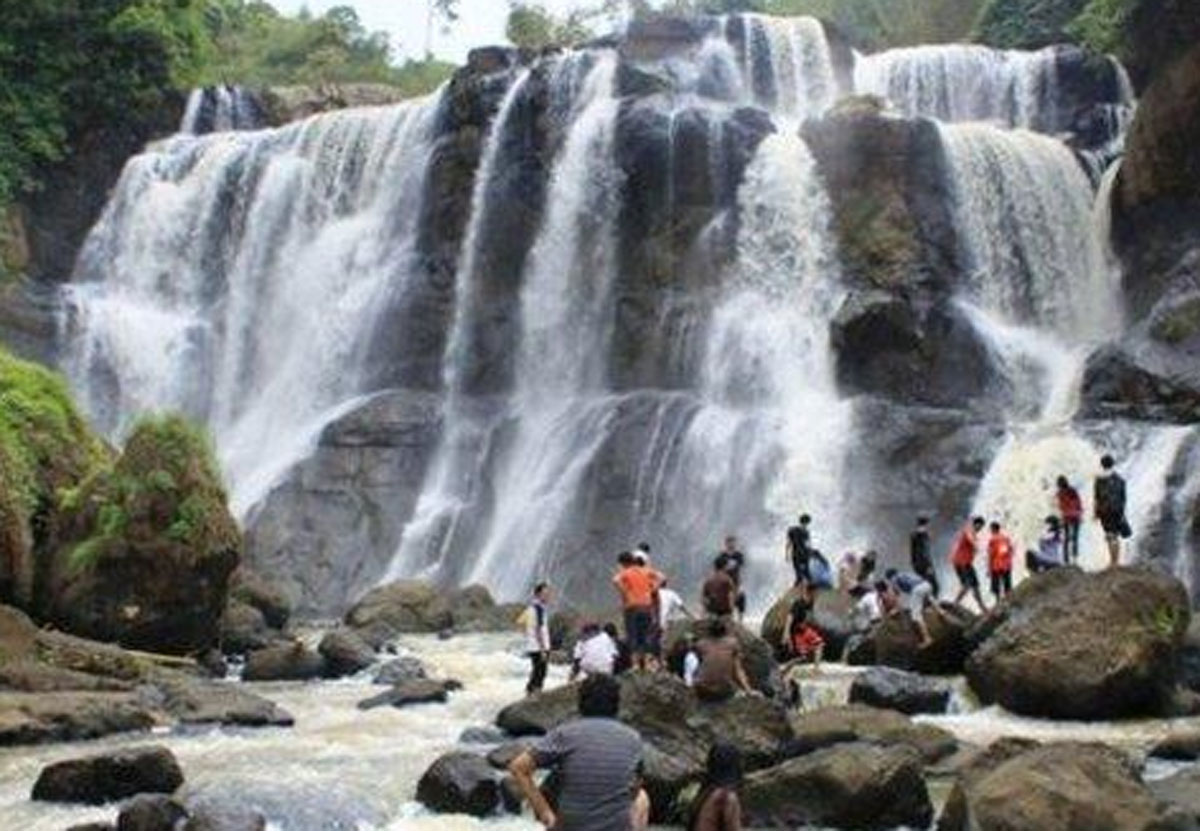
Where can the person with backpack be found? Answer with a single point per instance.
(1070, 511)
(718, 807)
(1109, 504)
(537, 637)
(1000, 562)
(914, 594)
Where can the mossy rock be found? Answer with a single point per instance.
(45, 450)
(148, 545)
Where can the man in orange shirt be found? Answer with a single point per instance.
(637, 584)
(966, 544)
(1000, 560)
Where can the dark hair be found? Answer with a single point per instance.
(1053, 522)
(995, 526)
(716, 628)
(881, 585)
(805, 519)
(1107, 462)
(922, 520)
(590, 629)
(644, 546)
(625, 558)
(611, 630)
(724, 766)
(720, 561)
(890, 573)
(869, 557)
(540, 587)
(979, 522)
(599, 696)
(1063, 483)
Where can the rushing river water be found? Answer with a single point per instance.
(342, 768)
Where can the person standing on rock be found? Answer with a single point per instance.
(962, 557)
(735, 561)
(721, 673)
(537, 637)
(799, 549)
(919, 554)
(598, 761)
(1109, 505)
(719, 591)
(1070, 511)
(638, 584)
(1000, 562)
(718, 807)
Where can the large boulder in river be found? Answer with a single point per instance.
(95, 780)
(345, 653)
(414, 606)
(459, 783)
(266, 595)
(829, 726)
(895, 689)
(1084, 646)
(858, 786)
(148, 546)
(244, 629)
(897, 642)
(1067, 787)
(284, 662)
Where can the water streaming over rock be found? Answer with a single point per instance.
(220, 108)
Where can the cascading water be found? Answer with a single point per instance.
(237, 277)
(221, 108)
(788, 65)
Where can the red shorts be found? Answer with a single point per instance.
(807, 641)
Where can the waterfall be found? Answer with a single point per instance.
(220, 108)
(237, 277)
(955, 83)
(788, 65)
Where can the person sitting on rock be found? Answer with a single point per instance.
(801, 640)
(598, 761)
(962, 557)
(1049, 553)
(916, 594)
(624, 660)
(691, 660)
(721, 673)
(735, 561)
(719, 591)
(868, 607)
(1000, 562)
(718, 807)
(595, 653)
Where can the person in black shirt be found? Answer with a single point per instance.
(1109, 503)
(922, 562)
(735, 561)
(799, 549)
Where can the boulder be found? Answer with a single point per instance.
(897, 643)
(243, 629)
(1179, 746)
(150, 812)
(858, 786)
(417, 691)
(1084, 646)
(345, 653)
(1068, 787)
(250, 587)
(285, 662)
(27, 718)
(540, 713)
(1140, 379)
(95, 780)
(397, 670)
(402, 607)
(501, 757)
(193, 701)
(859, 723)
(895, 689)
(93, 826)
(224, 818)
(1181, 792)
(831, 616)
(758, 657)
(459, 783)
(485, 734)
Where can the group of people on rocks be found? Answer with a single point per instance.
(598, 759)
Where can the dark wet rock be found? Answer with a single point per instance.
(897, 642)
(28, 718)
(253, 589)
(502, 756)
(459, 783)
(244, 629)
(150, 812)
(200, 702)
(417, 691)
(540, 713)
(353, 494)
(285, 662)
(396, 670)
(1070, 786)
(412, 606)
(224, 818)
(831, 616)
(905, 692)
(858, 786)
(93, 826)
(345, 653)
(859, 723)
(482, 735)
(1141, 380)
(1084, 646)
(213, 663)
(95, 780)
(1178, 745)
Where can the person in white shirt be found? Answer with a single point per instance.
(867, 609)
(671, 606)
(595, 653)
(537, 637)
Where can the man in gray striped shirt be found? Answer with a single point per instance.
(598, 760)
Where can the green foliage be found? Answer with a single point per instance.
(1027, 24)
(415, 78)
(1102, 25)
(883, 24)
(533, 26)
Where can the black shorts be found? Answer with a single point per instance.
(1115, 525)
(967, 576)
(639, 629)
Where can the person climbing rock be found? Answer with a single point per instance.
(962, 557)
(721, 673)
(1109, 505)
(637, 584)
(597, 760)
(799, 548)
(719, 591)
(735, 561)
(537, 637)
(1000, 561)
(801, 640)
(920, 556)
(717, 807)
(1070, 512)
(915, 595)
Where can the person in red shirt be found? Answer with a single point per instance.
(1000, 561)
(638, 584)
(962, 557)
(1070, 511)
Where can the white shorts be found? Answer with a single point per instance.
(917, 599)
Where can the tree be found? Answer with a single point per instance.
(446, 11)
(532, 26)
